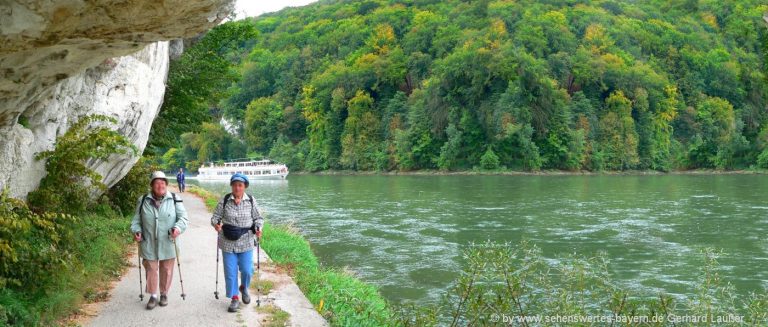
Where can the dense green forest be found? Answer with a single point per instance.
(455, 85)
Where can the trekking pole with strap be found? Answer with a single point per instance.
(138, 247)
(258, 269)
(178, 264)
(216, 293)
(141, 286)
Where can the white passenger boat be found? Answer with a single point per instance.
(254, 169)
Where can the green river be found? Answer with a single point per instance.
(405, 233)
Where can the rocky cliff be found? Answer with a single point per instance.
(61, 60)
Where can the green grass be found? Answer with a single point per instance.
(263, 285)
(209, 198)
(347, 301)
(276, 317)
(98, 256)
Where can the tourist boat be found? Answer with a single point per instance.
(254, 169)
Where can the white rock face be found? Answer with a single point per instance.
(129, 89)
(62, 60)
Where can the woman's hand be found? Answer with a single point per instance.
(258, 233)
(175, 233)
(137, 237)
(217, 227)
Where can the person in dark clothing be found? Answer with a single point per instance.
(180, 180)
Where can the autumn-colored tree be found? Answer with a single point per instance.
(361, 133)
(617, 133)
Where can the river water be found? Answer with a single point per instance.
(405, 234)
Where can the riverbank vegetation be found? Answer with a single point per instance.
(63, 247)
(502, 282)
(340, 297)
(453, 85)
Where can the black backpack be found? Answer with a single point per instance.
(229, 195)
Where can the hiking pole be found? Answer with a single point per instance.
(141, 287)
(258, 269)
(216, 293)
(178, 264)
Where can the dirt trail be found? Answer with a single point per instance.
(198, 260)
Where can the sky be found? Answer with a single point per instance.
(258, 7)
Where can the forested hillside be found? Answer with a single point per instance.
(526, 85)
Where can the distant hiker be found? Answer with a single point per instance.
(237, 220)
(160, 217)
(180, 180)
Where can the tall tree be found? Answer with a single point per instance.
(618, 136)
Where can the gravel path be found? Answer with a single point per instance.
(198, 260)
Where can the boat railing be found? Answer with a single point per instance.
(243, 164)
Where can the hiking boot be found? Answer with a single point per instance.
(152, 303)
(163, 300)
(244, 293)
(234, 306)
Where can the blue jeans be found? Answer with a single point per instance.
(233, 262)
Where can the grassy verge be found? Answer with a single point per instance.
(208, 197)
(94, 258)
(341, 298)
(275, 316)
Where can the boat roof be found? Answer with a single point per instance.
(247, 162)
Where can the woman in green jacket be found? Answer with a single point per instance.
(159, 219)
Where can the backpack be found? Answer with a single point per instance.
(229, 195)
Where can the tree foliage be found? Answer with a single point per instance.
(547, 85)
(197, 81)
(70, 186)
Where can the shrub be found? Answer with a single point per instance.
(124, 194)
(32, 245)
(499, 278)
(66, 165)
(762, 159)
(52, 251)
(489, 160)
(49, 263)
